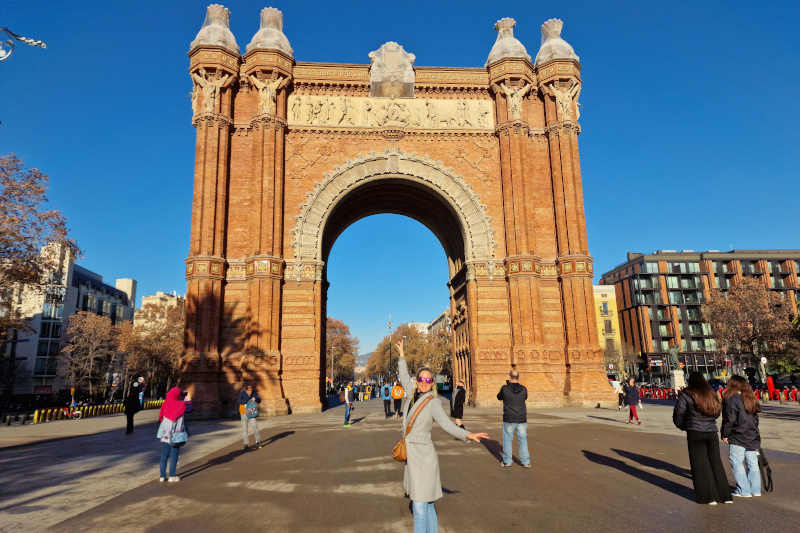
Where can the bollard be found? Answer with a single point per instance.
(22, 419)
(780, 397)
(8, 420)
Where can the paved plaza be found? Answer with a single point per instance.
(591, 472)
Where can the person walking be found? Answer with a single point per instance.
(515, 419)
(397, 394)
(349, 398)
(248, 411)
(421, 479)
(740, 431)
(620, 393)
(131, 405)
(632, 400)
(457, 404)
(172, 431)
(386, 396)
(696, 412)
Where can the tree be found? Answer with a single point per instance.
(90, 352)
(421, 349)
(748, 319)
(340, 348)
(152, 345)
(25, 229)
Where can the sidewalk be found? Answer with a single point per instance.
(592, 472)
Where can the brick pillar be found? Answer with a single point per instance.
(214, 73)
(583, 355)
(268, 74)
(526, 194)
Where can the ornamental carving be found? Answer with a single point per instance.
(479, 235)
(363, 112)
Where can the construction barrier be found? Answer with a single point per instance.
(61, 413)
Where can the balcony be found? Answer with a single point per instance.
(611, 331)
(605, 312)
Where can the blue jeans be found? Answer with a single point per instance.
(346, 413)
(508, 442)
(425, 520)
(749, 482)
(168, 452)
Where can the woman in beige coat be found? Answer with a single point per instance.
(421, 477)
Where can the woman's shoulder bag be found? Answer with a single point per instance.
(399, 451)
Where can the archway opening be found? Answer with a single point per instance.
(390, 247)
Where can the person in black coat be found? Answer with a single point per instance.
(457, 404)
(696, 412)
(632, 399)
(515, 419)
(740, 430)
(132, 405)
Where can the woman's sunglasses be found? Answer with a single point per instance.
(425, 380)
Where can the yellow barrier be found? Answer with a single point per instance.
(50, 414)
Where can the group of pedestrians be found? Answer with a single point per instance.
(696, 411)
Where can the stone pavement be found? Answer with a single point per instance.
(592, 472)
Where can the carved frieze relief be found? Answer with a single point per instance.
(415, 113)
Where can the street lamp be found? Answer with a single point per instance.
(389, 325)
(7, 45)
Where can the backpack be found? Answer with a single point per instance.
(342, 397)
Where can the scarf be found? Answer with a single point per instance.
(173, 406)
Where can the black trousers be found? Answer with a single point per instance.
(387, 407)
(708, 475)
(130, 422)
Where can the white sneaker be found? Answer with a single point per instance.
(162, 479)
(173, 479)
(712, 503)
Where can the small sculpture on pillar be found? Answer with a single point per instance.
(515, 97)
(676, 376)
(565, 97)
(267, 91)
(211, 87)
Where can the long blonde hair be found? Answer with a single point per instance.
(434, 388)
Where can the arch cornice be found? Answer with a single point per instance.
(478, 235)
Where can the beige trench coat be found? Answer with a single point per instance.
(421, 477)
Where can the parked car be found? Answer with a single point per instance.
(717, 384)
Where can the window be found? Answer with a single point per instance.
(697, 345)
(695, 329)
(672, 282)
(693, 313)
(50, 330)
(694, 267)
(675, 297)
(711, 345)
(607, 326)
(650, 268)
(106, 308)
(662, 330)
(664, 346)
(90, 303)
(688, 283)
(45, 366)
(706, 329)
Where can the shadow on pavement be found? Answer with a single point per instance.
(606, 418)
(494, 447)
(660, 482)
(213, 462)
(278, 436)
(655, 463)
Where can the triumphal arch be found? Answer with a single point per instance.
(290, 153)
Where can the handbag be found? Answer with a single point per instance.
(251, 409)
(399, 451)
(178, 436)
(766, 471)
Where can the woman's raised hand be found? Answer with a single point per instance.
(477, 436)
(399, 345)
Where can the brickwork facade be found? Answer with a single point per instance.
(289, 154)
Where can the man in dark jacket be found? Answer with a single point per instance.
(132, 405)
(457, 404)
(349, 398)
(515, 419)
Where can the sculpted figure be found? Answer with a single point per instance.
(194, 98)
(211, 87)
(325, 110)
(308, 107)
(267, 91)
(431, 114)
(483, 118)
(515, 99)
(462, 114)
(367, 113)
(674, 363)
(564, 99)
(296, 108)
(315, 113)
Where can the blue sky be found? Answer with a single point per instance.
(690, 128)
